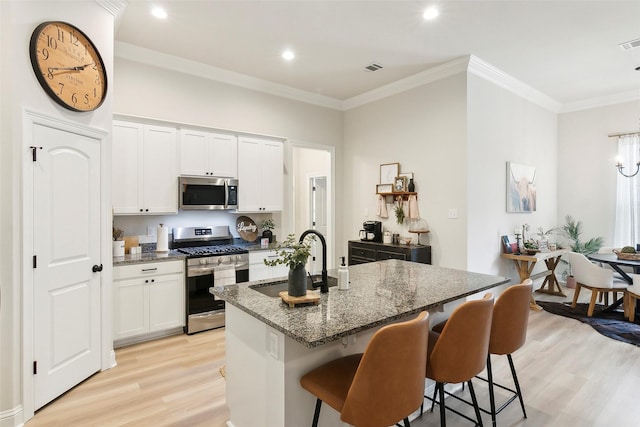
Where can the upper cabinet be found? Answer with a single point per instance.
(144, 169)
(260, 175)
(208, 154)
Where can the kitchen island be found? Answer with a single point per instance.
(269, 346)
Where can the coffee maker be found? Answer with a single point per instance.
(371, 231)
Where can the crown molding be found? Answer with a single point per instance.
(174, 63)
(431, 75)
(498, 77)
(115, 7)
(602, 101)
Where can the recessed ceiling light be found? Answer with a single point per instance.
(430, 13)
(159, 13)
(288, 55)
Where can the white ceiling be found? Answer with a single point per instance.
(568, 50)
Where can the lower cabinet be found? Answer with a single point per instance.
(259, 271)
(362, 252)
(148, 299)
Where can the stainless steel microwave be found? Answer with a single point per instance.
(208, 193)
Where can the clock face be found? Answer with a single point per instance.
(68, 66)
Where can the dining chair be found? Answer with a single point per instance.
(459, 352)
(594, 278)
(633, 294)
(381, 386)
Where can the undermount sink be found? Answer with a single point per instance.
(274, 289)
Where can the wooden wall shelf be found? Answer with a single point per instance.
(404, 194)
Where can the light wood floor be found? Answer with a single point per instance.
(570, 376)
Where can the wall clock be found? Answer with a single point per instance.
(68, 66)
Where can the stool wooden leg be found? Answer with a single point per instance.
(632, 307)
(592, 303)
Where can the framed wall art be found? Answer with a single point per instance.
(388, 172)
(400, 184)
(521, 188)
(384, 188)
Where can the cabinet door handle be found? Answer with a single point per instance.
(149, 269)
(96, 268)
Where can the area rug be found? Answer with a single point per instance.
(609, 324)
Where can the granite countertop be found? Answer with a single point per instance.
(145, 257)
(379, 293)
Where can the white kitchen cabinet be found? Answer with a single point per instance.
(144, 169)
(208, 154)
(259, 271)
(260, 175)
(148, 299)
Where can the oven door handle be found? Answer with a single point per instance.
(200, 271)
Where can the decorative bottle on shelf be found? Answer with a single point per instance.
(343, 276)
(411, 187)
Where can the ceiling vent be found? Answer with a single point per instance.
(630, 45)
(375, 67)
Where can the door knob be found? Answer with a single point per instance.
(96, 268)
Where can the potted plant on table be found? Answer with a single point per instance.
(295, 255)
(267, 226)
(118, 242)
(572, 230)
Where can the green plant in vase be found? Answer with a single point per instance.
(399, 211)
(293, 254)
(268, 225)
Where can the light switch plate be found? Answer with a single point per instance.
(453, 213)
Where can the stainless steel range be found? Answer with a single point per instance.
(212, 259)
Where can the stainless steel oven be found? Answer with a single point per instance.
(217, 263)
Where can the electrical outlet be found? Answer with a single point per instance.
(273, 345)
(151, 231)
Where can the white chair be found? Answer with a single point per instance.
(632, 294)
(594, 278)
(608, 250)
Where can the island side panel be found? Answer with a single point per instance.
(254, 381)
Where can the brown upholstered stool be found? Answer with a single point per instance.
(383, 385)
(508, 334)
(459, 352)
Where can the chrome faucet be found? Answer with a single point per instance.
(324, 283)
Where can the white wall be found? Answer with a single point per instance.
(21, 90)
(146, 91)
(504, 127)
(586, 166)
(425, 131)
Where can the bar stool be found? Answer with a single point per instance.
(383, 385)
(459, 352)
(508, 334)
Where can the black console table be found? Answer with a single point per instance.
(362, 252)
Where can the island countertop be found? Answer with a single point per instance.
(379, 293)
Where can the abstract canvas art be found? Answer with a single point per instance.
(521, 188)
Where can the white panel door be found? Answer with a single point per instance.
(272, 176)
(223, 156)
(66, 229)
(249, 185)
(193, 152)
(160, 170)
(126, 167)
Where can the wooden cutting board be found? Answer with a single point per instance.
(130, 241)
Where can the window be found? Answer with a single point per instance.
(627, 229)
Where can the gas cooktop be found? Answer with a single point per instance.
(213, 250)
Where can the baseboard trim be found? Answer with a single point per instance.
(12, 417)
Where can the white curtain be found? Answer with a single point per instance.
(627, 229)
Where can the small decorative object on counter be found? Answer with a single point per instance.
(343, 276)
(118, 242)
(162, 244)
(386, 237)
(267, 226)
